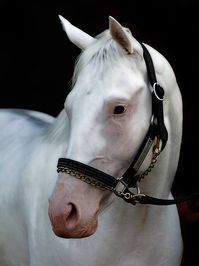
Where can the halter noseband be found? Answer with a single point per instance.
(122, 186)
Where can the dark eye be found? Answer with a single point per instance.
(119, 109)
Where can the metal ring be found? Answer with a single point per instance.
(154, 90)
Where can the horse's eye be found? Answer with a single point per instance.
(119, 109)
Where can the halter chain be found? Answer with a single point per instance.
(156, 153)
(83, 177)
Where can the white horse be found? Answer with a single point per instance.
(105, 118)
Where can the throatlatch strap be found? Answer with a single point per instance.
(157, 96)
(157, 110)
(157, 127)
(149, 65)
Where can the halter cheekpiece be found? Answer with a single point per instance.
(126, 186)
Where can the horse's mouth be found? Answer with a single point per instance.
(70, 222)
(61, 229)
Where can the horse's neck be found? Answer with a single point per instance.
(41, 167)
(54, 142)
(58, 132)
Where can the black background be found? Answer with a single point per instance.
(36, 62)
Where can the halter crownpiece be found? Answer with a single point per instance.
(126, 186)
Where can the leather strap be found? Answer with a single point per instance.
(89, 171)
(157, 96)
(157, 126)
(111, 183)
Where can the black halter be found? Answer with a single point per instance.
(121, 186)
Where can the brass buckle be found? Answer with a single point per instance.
(129, 194)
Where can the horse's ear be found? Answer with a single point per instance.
(75, 35)
(120, 35)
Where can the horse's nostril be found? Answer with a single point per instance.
(72, 216)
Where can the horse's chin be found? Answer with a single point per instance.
(81, 231)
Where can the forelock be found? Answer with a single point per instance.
(103, 50)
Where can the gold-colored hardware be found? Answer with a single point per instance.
(127, 195)
(156, 153)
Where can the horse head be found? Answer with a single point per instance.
(109, 112)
